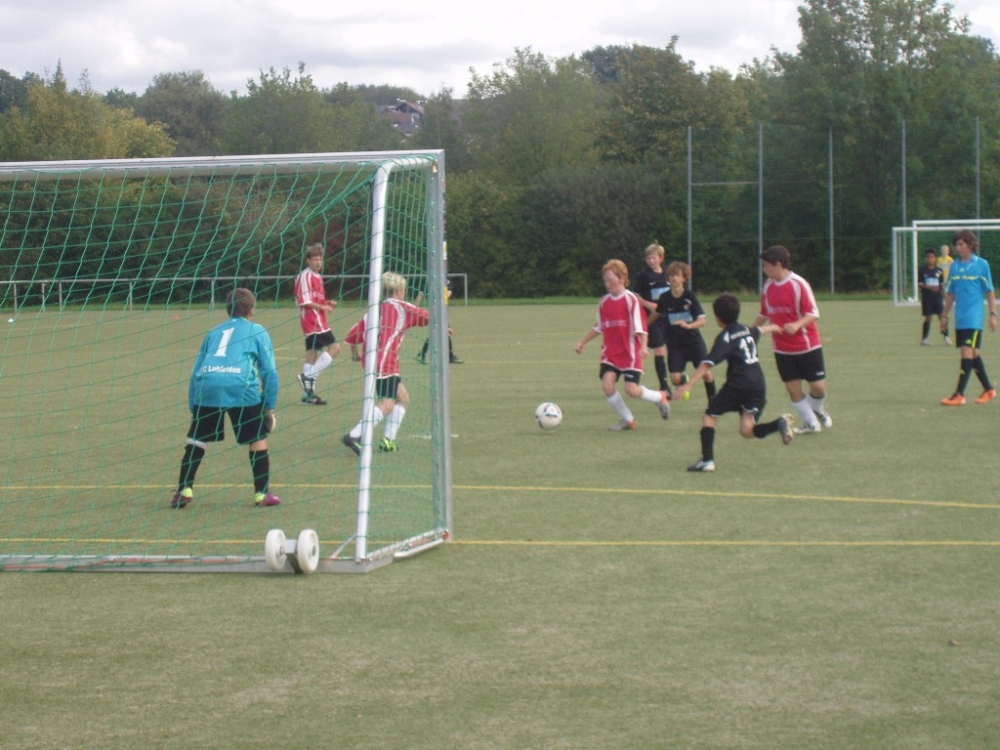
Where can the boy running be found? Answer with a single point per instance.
(620, 323)
(744, 391)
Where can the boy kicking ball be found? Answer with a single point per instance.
(744, 390)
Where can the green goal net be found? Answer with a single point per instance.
(112, 273)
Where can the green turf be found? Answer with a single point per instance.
(841, 592)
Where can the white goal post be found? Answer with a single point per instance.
(907, 249)
(110, 275)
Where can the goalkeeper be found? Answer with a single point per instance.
(234, 374)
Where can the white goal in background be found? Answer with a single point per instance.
(908, 244)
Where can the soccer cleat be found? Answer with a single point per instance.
(315, 400)
(925, 342)
(987, 396)
(387, 446)
(785, 428)
(702, 465)
(182, 498)
(306, 384)
(664, 405)
(352, 442)
(956, 399)
(265, 500)
(824, 417)
(947, 341)
(421, 359)
(621, 425)
(457, 361)
(807, 429)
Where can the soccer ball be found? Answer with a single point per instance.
(548, 415)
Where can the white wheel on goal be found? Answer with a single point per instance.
(307, 550)
(274, 549)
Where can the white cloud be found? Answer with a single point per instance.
(125, 43)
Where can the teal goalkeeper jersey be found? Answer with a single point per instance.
(235, 366)
(969, 280)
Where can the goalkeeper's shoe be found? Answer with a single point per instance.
(955, 399)
(352, 442)
(702, 465)
(314, 400)
(387, 446)
(182, 498)
(265, 500)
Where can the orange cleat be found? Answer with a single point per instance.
(987, 396)
(955, 399)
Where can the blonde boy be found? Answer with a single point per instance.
(620, 323)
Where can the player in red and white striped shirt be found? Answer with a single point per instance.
(787, 301)
(321, 344)
(396, 316)
(621, 323)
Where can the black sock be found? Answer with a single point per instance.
(980, 369)
(710, 389)
(927, 329)
(189, 465)
(260, 465)
(964, 375)
(763, 430)
(660, 363)
(708, 443)
(423, 352)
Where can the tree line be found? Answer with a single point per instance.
(889, 110)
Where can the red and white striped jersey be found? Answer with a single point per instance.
(620, 321)
(309, 288)
(396, 316)
(784, 302)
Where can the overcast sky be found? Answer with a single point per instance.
(426, 46)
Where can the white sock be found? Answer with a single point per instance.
(618, 404)
(805, 412)
(394, 421)
(376, 418)
(307, 370)
(654, 397)
(323, 361)
(816, 404)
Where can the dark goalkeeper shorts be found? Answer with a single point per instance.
(208, 423)
(932, 306)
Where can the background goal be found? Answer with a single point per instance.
(909, 243)
(111, 272)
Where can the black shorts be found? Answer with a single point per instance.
(657, 334)
(387, 387)
(971, 337)
(320, 341)
(682, 352)
(932, 306)
(808, 366)
(732, 399)
(208, 423)
(631, 376)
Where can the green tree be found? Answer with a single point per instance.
(192, 111)
(532, 114)
(59, 123)
(442, 127)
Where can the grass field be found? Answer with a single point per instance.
(840, 592)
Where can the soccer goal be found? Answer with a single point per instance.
(111, 274)
(909, 244)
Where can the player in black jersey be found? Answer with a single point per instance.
(930, 282)
(744, 390)
(650, 284)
